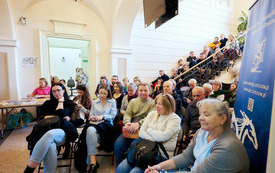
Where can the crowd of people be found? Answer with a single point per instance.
(156, 112)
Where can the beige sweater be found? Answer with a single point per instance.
(161, 128)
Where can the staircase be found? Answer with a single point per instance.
(226, 70)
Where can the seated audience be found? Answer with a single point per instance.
(231, 98)
(179, 93)
(103, 80)
(162, 76)
(45, 149)
(207, 87)
(55, 80)
(191, 123)
(118, 121)
(207, 51)
(188, 93)
(180, 65)
(43, 91)
(174, 73)
(158, 88)
(118, 94)
(168, 89)
(137, 80)
(137, 110)
(217, 93)
(113, 81)
(223, 40)
(64, 83)
(231, 47)
(161, 126)
(125, 82)
(192, 59)
(83, 105)
(215, 147)
(103, 108)
(214, 43)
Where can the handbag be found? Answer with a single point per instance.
(144, 153)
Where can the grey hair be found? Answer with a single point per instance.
(175, 69)
(192, 81)
(173, 81)
(132, 85)
(219, 108)
(207, 85)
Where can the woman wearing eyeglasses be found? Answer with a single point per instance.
(45, 149)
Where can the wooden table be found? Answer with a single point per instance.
(9, 105)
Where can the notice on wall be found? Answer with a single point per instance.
(253, 105)
(29, 61)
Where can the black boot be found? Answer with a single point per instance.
(29, 170)
(93, 168)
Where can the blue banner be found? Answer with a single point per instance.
(253, 104)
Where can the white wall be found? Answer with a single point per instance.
(196, 25)
(39, 16)
(64, 68)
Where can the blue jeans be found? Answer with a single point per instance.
(45, 149)
(92, 138)
(124, 167)
(121, 146)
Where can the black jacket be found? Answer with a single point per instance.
(164, 78)
(192, 118)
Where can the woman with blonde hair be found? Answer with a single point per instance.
(43, 91)
(160, 126)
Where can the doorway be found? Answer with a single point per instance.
(65, 55)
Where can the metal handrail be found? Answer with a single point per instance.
(179, 76)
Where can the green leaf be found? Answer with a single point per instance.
(239, 28)
(241, 19)
(244, 14)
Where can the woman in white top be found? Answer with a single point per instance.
(160, 126)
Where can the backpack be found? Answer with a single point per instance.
(80, 152)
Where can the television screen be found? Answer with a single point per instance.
(171, 11)
(153, 9)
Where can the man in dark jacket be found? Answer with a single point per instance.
(223, 41)
(162, 76)
(191, 122)
(192, 59)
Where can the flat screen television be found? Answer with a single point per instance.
(153, 9)
(171, 7)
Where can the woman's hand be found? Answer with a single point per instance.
(61, 99)
(99, 118)
(153, 169)
(67, 118)
(92, 118)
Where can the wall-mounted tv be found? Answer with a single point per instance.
(159, 11)
(153, 9)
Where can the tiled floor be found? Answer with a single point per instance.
(14, 155)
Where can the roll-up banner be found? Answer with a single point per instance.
(253, 106)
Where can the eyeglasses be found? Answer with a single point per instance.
(56, 91)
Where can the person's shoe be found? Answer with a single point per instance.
(93, 168)
(29, 170)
